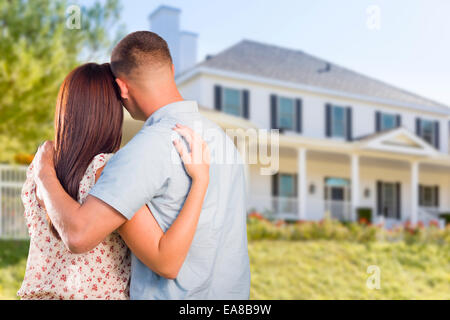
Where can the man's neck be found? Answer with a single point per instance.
(162, 101)
(165, 102)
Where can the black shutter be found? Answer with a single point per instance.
(398, 120)
(298, 105)
(436, 134)
(275, 178)
(245, 103)
(420, 195)
(349, 124)
(218, 97)
(436, 195)
(295, 185)
(379, 198)
(399, 199)
(328, 120)
(377, 121)
(418, 127)
(273, 111)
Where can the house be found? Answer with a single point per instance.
(347, 141)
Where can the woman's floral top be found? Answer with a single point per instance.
(55, 273)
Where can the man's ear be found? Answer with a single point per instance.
(123, 88)
(173, 69)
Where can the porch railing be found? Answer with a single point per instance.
(339, 210)
(288, 208)
(429, 214)
(12, 221)
(274, 207)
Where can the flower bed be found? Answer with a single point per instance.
(259, 228)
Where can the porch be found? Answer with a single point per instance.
(318, 178)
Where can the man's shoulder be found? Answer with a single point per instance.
(152, 141)
(159, 131)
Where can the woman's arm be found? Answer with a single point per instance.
(165, 253)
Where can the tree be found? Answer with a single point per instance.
(37, 50)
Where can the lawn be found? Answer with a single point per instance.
(13, 258)
(337, 270)
(312, 269)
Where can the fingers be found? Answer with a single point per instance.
(185, 132)
(182, 150)
(199, 148)
(47, 147)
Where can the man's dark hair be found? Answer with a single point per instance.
(137, 49)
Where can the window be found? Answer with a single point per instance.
(286, 114)
(388, 121)
(338, 122)
(427, 131)
(287, 185)
(232, 101)
(428, 196)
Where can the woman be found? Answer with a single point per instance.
(88, 130)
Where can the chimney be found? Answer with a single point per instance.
(188, 50)
(165, 21)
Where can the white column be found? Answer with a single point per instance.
(355, 186)
(414, 192)
(301, 188)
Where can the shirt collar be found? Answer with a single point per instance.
(171, 108)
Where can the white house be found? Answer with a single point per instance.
(347, 141)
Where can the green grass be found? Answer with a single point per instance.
(337, 270)
(13, 258)
(311, 269)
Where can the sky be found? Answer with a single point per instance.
(403, 42)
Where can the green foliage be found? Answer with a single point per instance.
(446, 217)
(259, 228)
(364, 214)
(37, 52)
(13, 259)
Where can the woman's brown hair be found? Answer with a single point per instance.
(88, 121)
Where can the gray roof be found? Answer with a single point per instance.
(269, 61)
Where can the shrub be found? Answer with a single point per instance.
(23, 158)
(446, 217)
(259, 228)
(364, 215)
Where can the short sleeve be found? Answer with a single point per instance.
(136, 173)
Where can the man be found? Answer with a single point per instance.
(143, 172)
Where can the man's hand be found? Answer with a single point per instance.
(43, 161)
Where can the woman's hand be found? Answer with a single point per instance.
(197, 161)
(43, 161)
(165, 252)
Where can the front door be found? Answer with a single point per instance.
(388, 199)
(337, 194)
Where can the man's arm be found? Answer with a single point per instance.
(165, 253)
(81, 227)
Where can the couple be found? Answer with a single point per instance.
(87, 203)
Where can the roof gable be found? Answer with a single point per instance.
(398, 140)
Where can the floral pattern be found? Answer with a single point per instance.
(53, 272)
